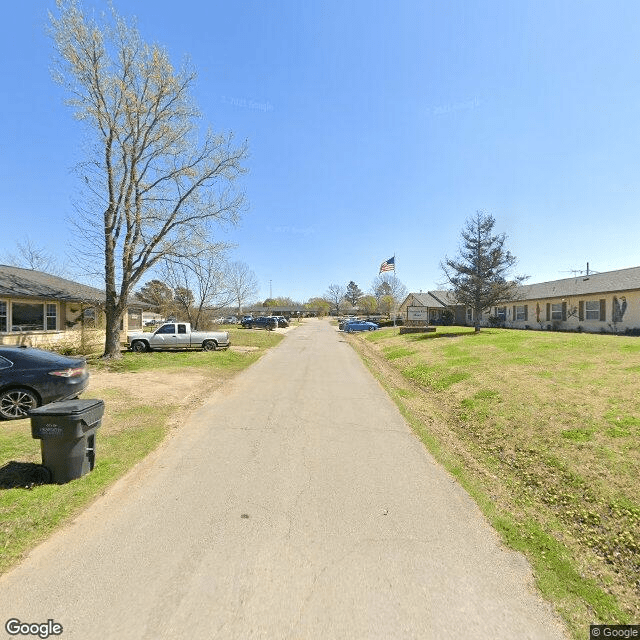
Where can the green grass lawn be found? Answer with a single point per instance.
(132, 427)
(543, 429)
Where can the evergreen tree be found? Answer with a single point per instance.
(353, 293)
(478, 275)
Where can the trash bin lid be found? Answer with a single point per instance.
(67, 407)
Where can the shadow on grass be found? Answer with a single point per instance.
(23, 475)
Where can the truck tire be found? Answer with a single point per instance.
(139, 346)
(209, 345)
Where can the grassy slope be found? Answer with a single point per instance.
(543, 429)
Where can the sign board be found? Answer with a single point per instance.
(418, 314)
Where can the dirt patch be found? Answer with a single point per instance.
(154, 387)
(183, 390)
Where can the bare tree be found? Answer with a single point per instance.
(199, 283)
(242, 282)
(151, 186)
(388, 291)
(33, 256)
(478, 276)
(335, 295)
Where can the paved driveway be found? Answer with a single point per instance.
(296, 504)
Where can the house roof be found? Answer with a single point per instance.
(593, 284)
(606, 282)
(432, 299)
(16, 282)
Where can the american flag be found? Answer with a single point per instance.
(388, 265)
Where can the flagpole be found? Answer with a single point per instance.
(395, 272)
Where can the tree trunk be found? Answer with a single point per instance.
(112, 347)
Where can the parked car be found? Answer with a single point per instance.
(343, 321)
(262, 322)
(359, 325)
(230, 320)
(177, 336)
(282, 321)
(32, 377)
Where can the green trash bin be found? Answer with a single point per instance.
(67, 434)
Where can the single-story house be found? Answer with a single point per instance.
(430, 308)
(598, 302)
(38, 308)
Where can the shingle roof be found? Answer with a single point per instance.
(607, 282)
(16, 282)
(594, 283)
(432, 300)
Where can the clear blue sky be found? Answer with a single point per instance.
(375, 128)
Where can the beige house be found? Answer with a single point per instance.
(606, 302)
(38, 309)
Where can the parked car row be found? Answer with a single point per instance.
(264, 322)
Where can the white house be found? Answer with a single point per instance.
(606, 302)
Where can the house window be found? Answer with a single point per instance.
(592, 310)
(52, 317)
(556, 311)
(521, 313)
(27, 316)
(501, 313)
(469, 315)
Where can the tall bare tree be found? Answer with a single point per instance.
(151, 184)
(335, 295)
(478, 275)
(242, 282)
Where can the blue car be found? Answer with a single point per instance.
(359, 325)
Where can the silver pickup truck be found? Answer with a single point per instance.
(177, 335)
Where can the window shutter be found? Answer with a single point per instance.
(581, 310)
(526, 311)
(564, 311)
(603, 310)
(514, 313)
(548, 311)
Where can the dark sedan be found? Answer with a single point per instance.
(262, 322)
(30, 378)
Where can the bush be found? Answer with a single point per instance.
(389, 323)
(448, 318)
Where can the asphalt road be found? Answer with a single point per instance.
(296, 504)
